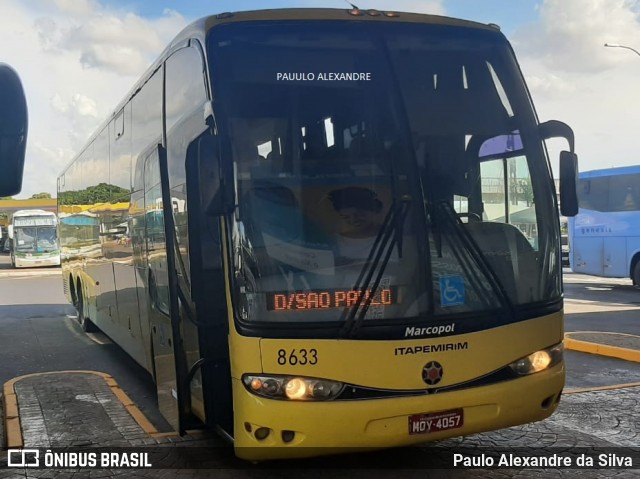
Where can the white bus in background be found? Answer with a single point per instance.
(605, 235)
(34, 239)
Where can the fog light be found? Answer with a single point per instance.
(287, 436)
(547, 402)
(262, 433)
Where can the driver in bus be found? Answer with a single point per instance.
(47, 238)
(360, 217)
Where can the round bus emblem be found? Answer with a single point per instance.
(432, 373)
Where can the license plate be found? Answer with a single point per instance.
(435, 422)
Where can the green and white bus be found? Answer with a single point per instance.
(34, 239)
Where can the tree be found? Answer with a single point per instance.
(525, 190)
(101, 193)
(40, 196)
(6, 198)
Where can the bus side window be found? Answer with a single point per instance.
(154, 230)
(510, 255)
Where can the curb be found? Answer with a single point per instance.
(13, 427)
(601, 349)
(26, 274)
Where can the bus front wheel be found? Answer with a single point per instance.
(636, 274)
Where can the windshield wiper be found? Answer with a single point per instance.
(452, 220)
(389, 236)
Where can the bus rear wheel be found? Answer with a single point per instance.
(636, 274)
(85, 323)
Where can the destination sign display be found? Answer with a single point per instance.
(34, 221)
(327, 299)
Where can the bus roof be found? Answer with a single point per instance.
(622, 170)
(370, 15)
(33, 213)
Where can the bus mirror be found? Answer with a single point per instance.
(568, 183)
(13, 131)
(10, 231)
(557, 129)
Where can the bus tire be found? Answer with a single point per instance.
(636, 274)
(72, 292)
(85, 323)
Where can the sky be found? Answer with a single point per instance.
(78, 58)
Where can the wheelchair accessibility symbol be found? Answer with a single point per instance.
(451, 290)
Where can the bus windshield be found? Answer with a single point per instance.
(37, 239)
(396, 163)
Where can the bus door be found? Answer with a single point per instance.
(208, 288)
(154, 256)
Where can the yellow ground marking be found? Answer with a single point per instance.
(601, 349)
(601, 388)
(12, 424)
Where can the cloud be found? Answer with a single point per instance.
(77, 59)
(116, 42)
(76, 7)
(574, 78)
(433, 7)
(571, 34)
(550, 84)
(78, 106)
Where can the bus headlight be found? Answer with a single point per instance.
(294, 388)
(538, 361)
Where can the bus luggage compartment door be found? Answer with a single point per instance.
(615, 257)
(588, 256)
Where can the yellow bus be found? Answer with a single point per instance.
(317, 253)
